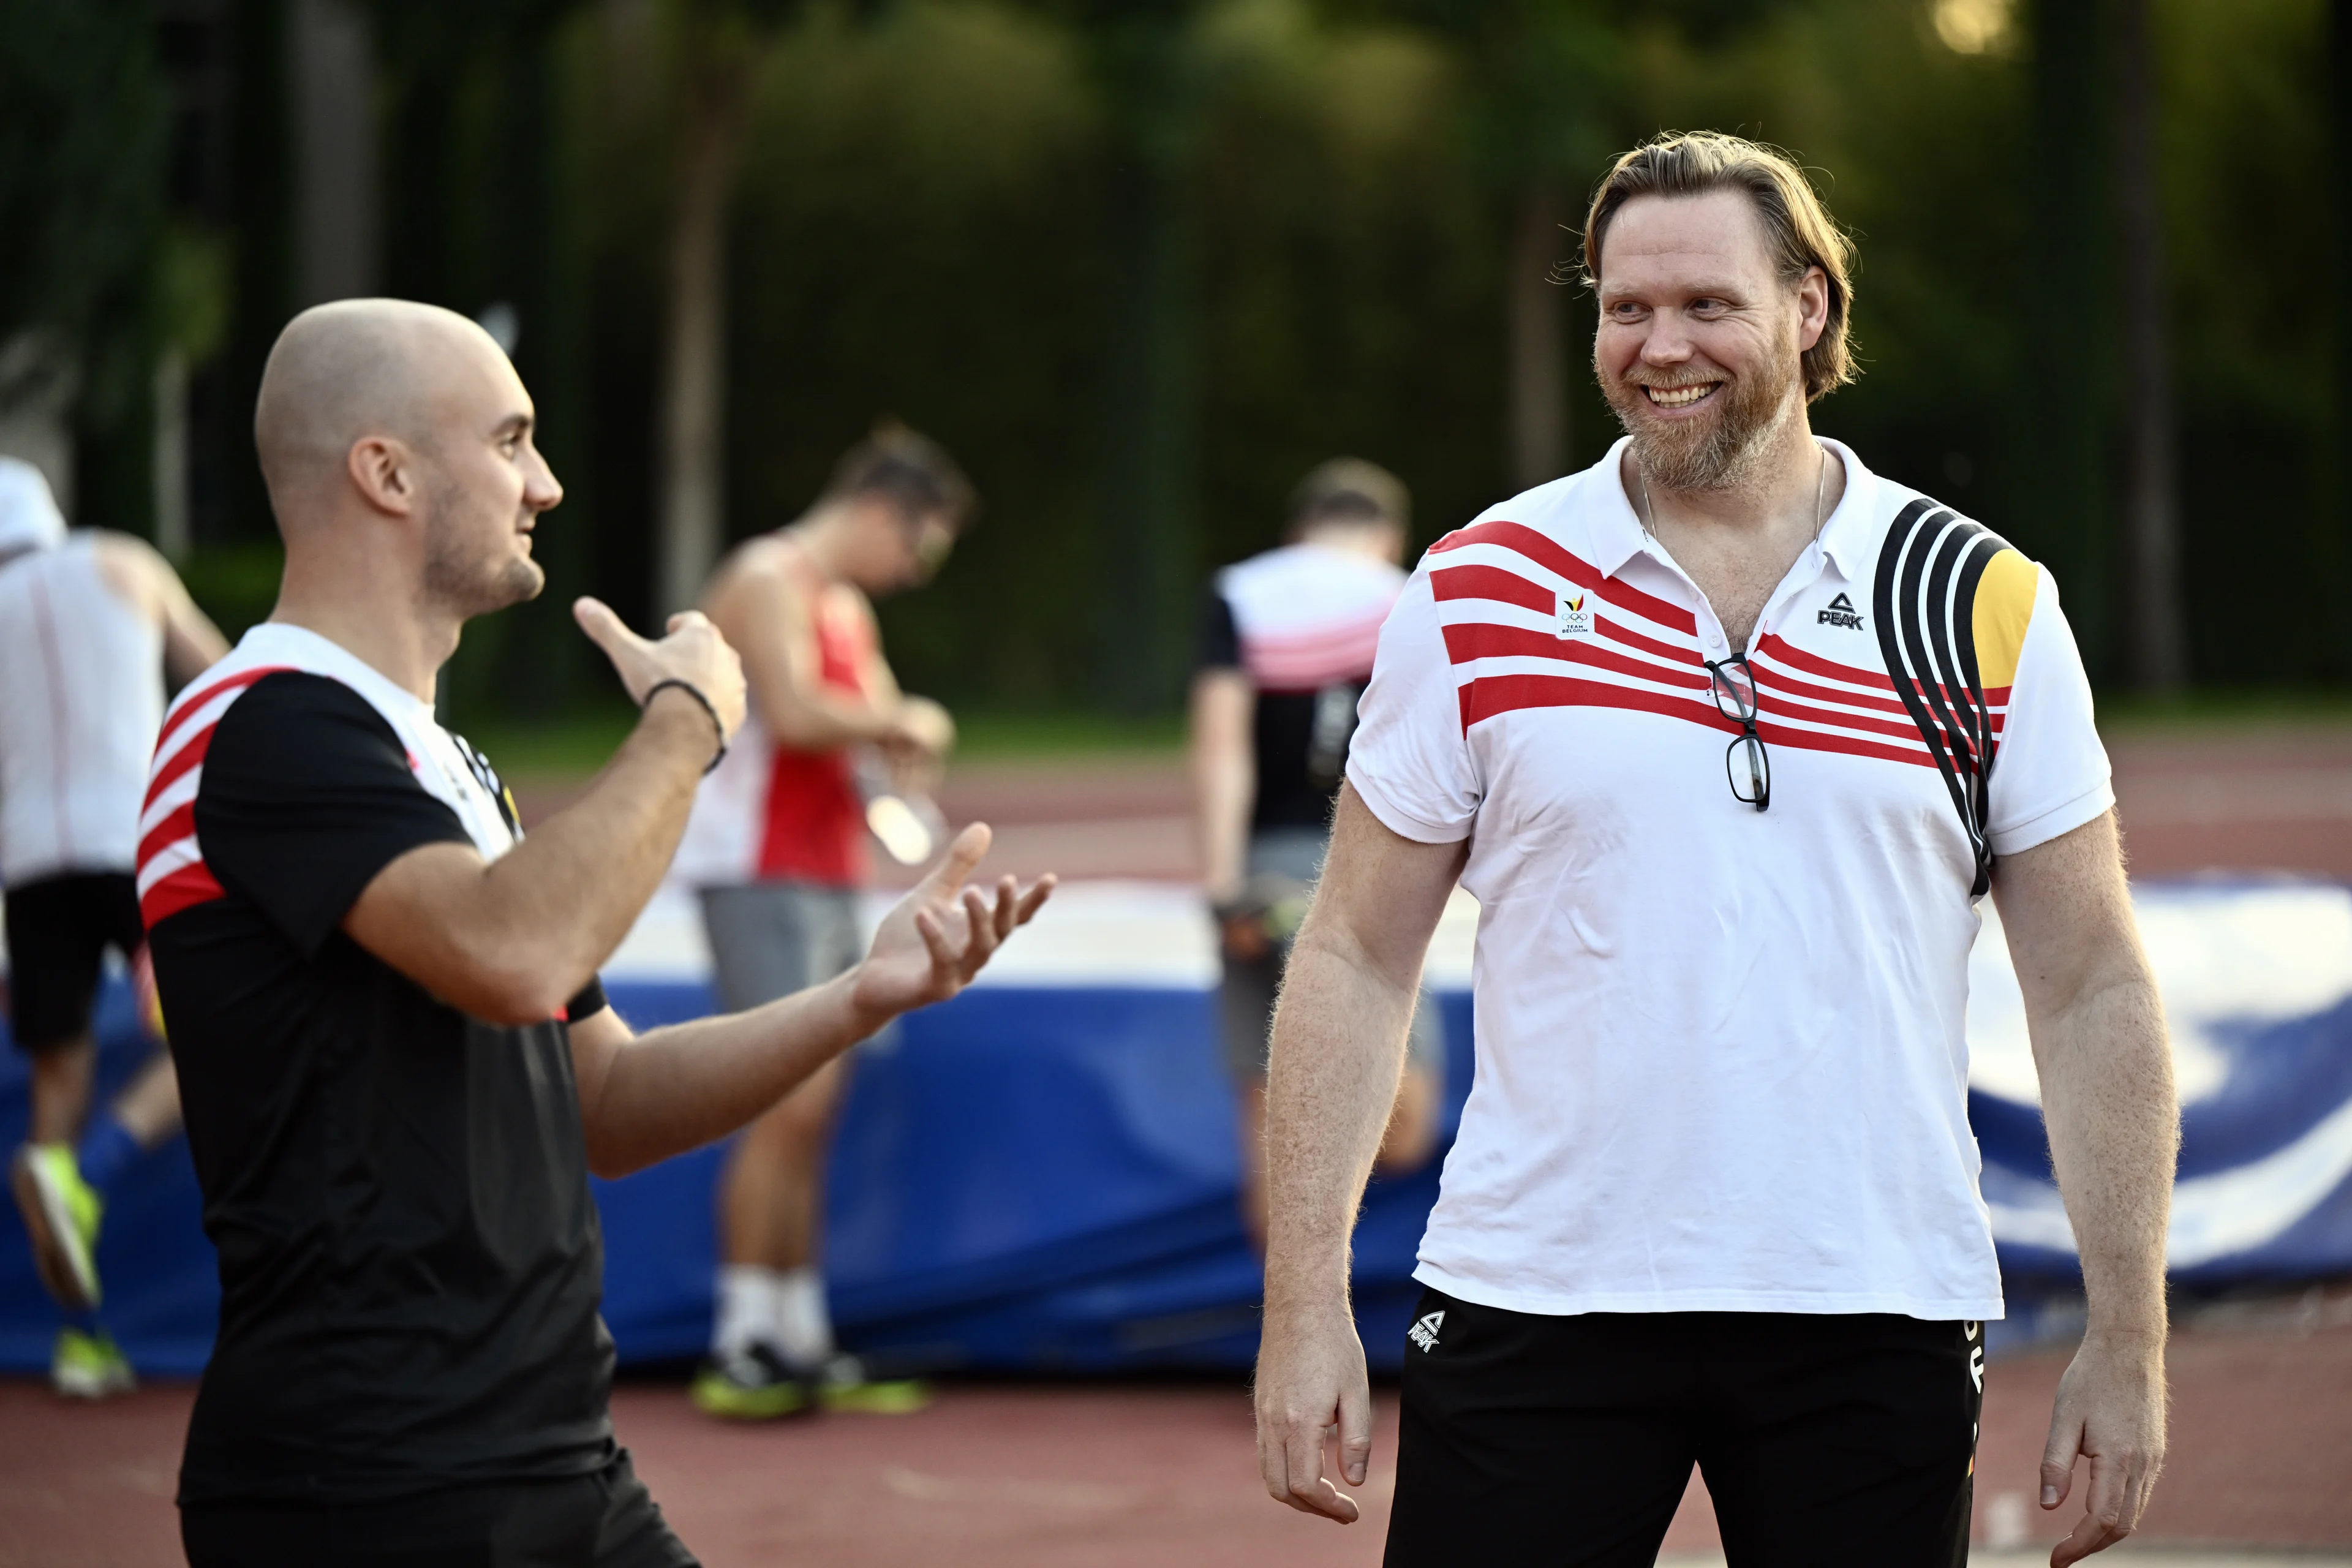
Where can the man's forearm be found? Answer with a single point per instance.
(1222, 787)
(2113, 1125)
(675, 1089)
(569, 893)
(820, 721)
(1339, 1052)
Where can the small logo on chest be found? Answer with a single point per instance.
(1575, 615)
(1840, 613)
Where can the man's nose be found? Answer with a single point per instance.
(1665, 342)
(542, 492)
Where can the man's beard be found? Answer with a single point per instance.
(1707, 454)
(460, 580)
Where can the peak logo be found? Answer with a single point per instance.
(1575, 612)
(1840, 613)
(1424, 1333)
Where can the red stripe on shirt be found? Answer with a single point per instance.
(1773, 646)
(1482, 639)
(1491, 695)
(181, 824)
(1524, 541)
(1474, 582)
(186, 757)
(196, 698)
(191, 885)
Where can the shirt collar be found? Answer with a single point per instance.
(1615, 535)
(1613, 530)
(1847, 537)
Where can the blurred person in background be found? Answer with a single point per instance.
(777, 848)
(1286, 641)
(91, 624)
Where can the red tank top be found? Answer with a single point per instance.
(816, 828)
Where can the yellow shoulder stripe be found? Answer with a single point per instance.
(2004, 608)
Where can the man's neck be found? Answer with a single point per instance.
(821, 536)
(380, 624)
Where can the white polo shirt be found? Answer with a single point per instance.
(1721, 1063)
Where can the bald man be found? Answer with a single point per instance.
(397, 1063)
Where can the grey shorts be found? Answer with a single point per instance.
(1246, 997)
(770, 939)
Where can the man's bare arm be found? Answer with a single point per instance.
(137, 572)
(1224, 775)
(2099, 1042)
(510, 940)
(770, 619)
(644, 1097)
(1338, 1053)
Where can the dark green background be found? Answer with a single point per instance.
(1287, 222)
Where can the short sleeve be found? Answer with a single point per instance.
(1409, 760)
(307, 794)
(2051, 774)
(1217, 645)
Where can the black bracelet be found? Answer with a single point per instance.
(691, 689)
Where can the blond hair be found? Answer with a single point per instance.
(1799, 231)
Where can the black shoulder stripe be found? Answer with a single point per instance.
(1925, 597)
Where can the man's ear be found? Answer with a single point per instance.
(383, 470)
(1813, 307)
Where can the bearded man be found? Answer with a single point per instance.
(1729, 735)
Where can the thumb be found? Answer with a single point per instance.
(1355, 1431)
(962, 856)
(604, 629)
(2058, 1458)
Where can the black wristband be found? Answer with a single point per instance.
(691, 689)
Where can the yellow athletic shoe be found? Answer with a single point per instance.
(89, 1366)
(61, 1215)
(753, 1385)
(846, 1387)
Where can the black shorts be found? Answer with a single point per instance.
(606, 1520)
(59, 930)
(1568, 1441)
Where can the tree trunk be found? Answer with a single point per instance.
(2334, 545)
(2061, 494)
(691, 469)
(2155, 638)
(333, 61)
(1538, 391)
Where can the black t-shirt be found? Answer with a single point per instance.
(410, 1260)
(1299, 738)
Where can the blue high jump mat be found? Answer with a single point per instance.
(1041, 1174)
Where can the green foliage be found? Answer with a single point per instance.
(81, 147)
(236, 585)
(1014, 225)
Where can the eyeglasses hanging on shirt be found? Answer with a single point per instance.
(1746, 763)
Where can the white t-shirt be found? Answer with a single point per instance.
(1721, 1063)
(81, 694)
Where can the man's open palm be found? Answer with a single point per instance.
(942, 933)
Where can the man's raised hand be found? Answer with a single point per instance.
(692, 651)
(940, 935)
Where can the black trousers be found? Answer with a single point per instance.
(606, 1520)
(1567, 1441)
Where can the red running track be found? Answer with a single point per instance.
(1111, 1476)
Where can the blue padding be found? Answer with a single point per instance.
(1044, 1178)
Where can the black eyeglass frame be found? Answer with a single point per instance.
(1735, 698)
